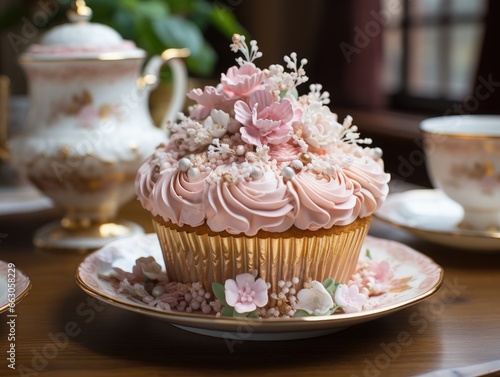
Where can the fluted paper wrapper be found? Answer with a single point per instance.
(193, 255)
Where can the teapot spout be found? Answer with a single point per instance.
(150, 79)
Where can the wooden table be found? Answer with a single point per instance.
(459, 325)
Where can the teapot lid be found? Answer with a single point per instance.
(81, 39)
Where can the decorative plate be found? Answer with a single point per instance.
(21, 287)
(421, 276)
(22, 199)
(431, 215)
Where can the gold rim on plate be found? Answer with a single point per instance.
(467, 239)
(86, 276)
(24, 292)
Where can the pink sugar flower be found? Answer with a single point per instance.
(148, 267)
(381, 271)
(264, 121)
(207, 99)
(246, 294)
(241, 81)
(349, 298)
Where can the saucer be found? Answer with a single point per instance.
(431, 215)
(422, 277)
(22, 199)
(22, 285)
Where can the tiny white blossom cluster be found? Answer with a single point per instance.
(248, 295)
(260, 112)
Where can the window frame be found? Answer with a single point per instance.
(402, 98)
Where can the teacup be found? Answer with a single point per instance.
(463, 160)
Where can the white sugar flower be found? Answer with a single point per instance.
(217, 123)
(315, 300)
(320, 127)
(316, 94)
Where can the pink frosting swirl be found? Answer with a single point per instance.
(370, 182)
(270, 203)
(247, 207)
(255, 156)
(179, 199)
(144, 183)
(322, 203)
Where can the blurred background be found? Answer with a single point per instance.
(388, 63)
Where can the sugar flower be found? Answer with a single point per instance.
(148, 267)
(188, 135)
(315, 300)
(264, 120)
(372, 277)
(252, 108)
(381, 271)
(207, 99)
(239, 44)
(349, 298)
(245, 293)
(319, 126)
(242, 80)
(217, 123)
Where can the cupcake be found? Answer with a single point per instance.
(259, 178)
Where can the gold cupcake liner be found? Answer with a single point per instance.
(193, 254)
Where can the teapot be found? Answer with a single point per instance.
(88, 127)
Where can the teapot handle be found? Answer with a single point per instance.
(173, 57)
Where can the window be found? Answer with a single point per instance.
(431, 49)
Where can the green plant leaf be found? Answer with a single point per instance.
(301, 313)
(177, 32)
(100, 4)
(202, 63)
(225, 22)
(330, 285)
(128, 4)
(103, 11)
(152, 10)
(147, 39)
(182, 6)
(368, 254)
(219, 292)
(125, 23)
(253, 314)
(227, 311)
(201, 14)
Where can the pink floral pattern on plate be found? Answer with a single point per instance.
(22, 287)
(414, 277)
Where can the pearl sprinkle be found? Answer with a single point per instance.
(297, 165)
(185, 164)
(287, 172)
(240, 150)
(193, 173)
(377, 153)
(158, 291)
(256, 173)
